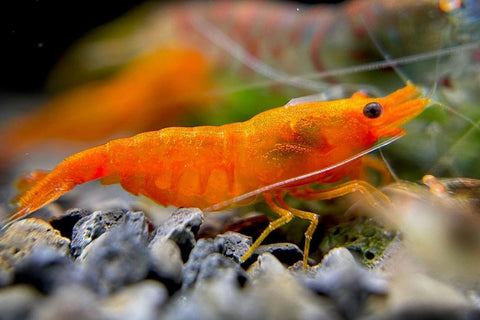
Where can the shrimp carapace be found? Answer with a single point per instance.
(203, 166)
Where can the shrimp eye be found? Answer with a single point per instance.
(372, 110)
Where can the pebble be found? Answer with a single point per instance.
(215, 264)
(117, 258)
(216, 298)
(24, 236)
(275, 293)
(121, 271)
(65, 223)
(233, 245)
(93, 226)
(47, 269)
(191, 268)
(181, 227)
(17, 302)
(69, 302)
(287, 253)
(166, 264)
(142, 300)
(348, 284)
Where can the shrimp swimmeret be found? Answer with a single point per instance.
(207, 166)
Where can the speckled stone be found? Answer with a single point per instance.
(215, 264)
(24, 236)
(180, 227)
(232, 244)
(17, 302)
(203, 248)
(91, 227)
(287, 253)
(65, 223)
(116, 258)
(275, 293)
(341, 278)
(142, 300)
(166, 263)
(47, 269)
(69, 302)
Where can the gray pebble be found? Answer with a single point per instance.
(191, 269)
(24, 236)
(215, 264)
(207, 261)
(142, 301)
(91, 227)
(69, 302)
(287, 253)
(216, 298)
(180, 227)
(233, 245)
(16, 302)
(117, 258)
(275, 293)
(47, 269)
(166, 263)
(65, 222)
(343, 280)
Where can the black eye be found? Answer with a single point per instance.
(372, 110)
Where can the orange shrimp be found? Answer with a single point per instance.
(206, 166)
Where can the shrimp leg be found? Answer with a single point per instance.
(311, 227)
(286, 214)
(370, 192)
(285, 217)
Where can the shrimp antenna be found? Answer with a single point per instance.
(222, 40)
(389, 167)
(392, 62)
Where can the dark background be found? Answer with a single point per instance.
(35, 33)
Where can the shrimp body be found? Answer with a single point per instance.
(202, 166)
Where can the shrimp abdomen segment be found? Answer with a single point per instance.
(178, 166)
(74, 170)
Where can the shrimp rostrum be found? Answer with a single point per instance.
(207, 166)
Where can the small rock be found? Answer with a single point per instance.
(211, 257)
(6, 272)
(91, 227)
(216, 298)
(166, 263)
(416, 291)
(342, 279)
(287, 253)
(70, 302)
(215, 264)
(233, 245)
(47, 269)
(142, 300)
(266, 263)
(117, 258)
(16, 302)
(181, 227)
(191, 269)
(274, 293)
(65, 223)
(23, 236)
